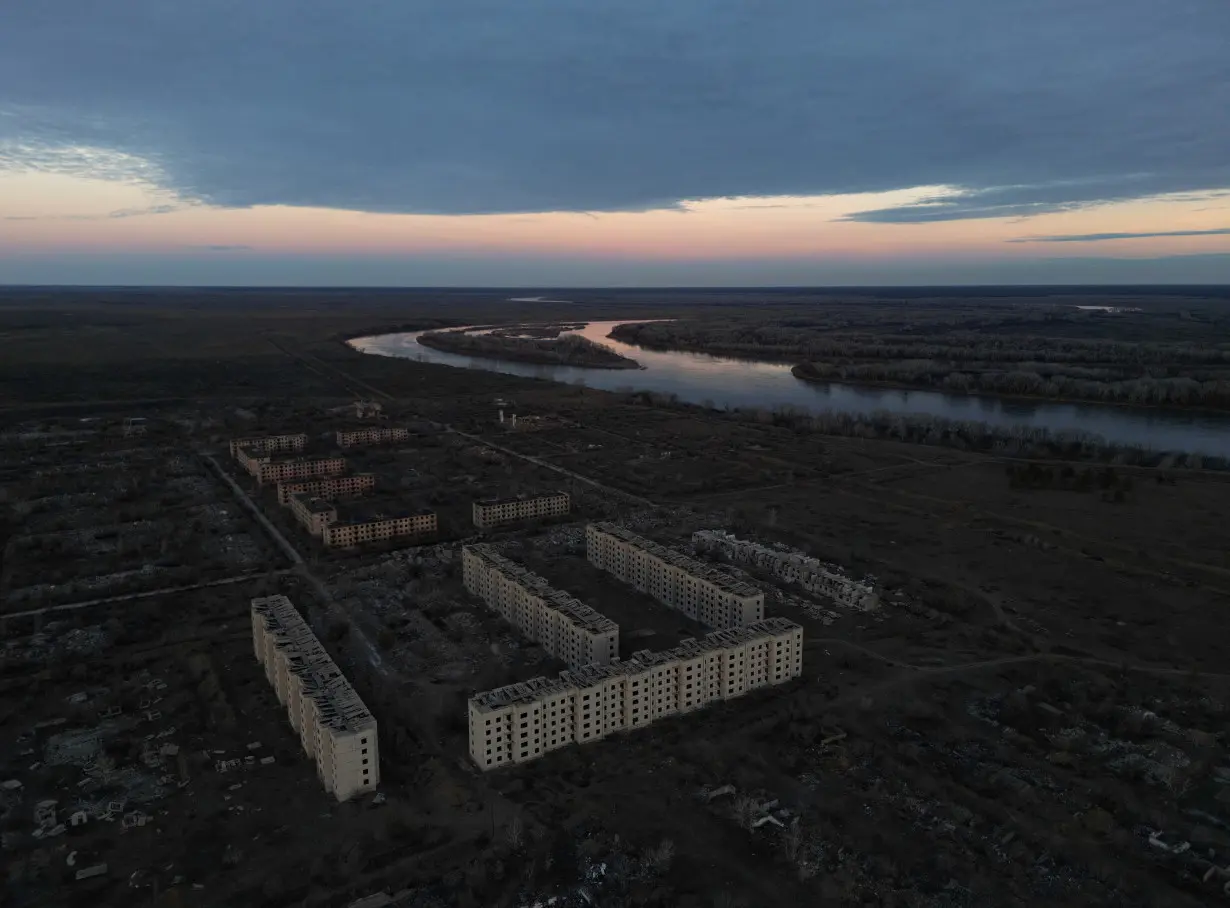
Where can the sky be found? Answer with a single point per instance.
(614, 142)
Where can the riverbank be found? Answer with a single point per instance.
(922, 365)
(727, 383)
(569, 350)
(799, 371)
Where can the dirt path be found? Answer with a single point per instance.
(147, 594)
(913, 672)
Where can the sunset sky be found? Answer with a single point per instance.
(617, 143)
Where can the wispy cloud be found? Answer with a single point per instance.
(624, 105)
(1099, 237)
(142, 212)
(117, 214)
(223, 247)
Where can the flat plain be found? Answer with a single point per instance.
(1036, 714)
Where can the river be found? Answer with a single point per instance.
(718, 381)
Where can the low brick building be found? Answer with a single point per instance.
(328, 487)
(270, 444)
(267, 470)
(314, 513)
(356, 523)
(493, 512)
(371, 435)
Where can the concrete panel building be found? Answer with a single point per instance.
(493, 512)
(328, 488)
(813, 575)
(523, 721)
(335, 729)
(270, 444)
(371, 435)
(567, 628)
(685, 584)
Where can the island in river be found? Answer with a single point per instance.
(529, 346)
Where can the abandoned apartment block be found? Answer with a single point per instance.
(523, 721)
(342, 524)
(793, 567)
(565, 627)
(370, 435)
(265, 469)
(329, 487)
(334, 726)
(270, 444)
(493, 512)
(685, 584)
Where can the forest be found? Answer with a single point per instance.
(567, 350)
(1044, 352)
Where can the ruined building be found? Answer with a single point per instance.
(567, 628)
(492, 512)
(521, 722)
(328, 487)
(685, 584)
(270, 444)
(370, 435)
(347, 523)
(334, 727)
(793, 567)
(265, 469)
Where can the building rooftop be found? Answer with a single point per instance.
(524, 496)
(366, 425)
(372, 510)
(697, 569)
(314, 504)
(521, 692)
(337, 703)
(308, 480)
(536, 689)
(304, 458)
(567, 607)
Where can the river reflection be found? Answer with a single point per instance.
(713, 380)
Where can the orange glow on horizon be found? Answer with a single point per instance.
(46, 213)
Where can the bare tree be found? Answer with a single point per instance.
(1176, 779)
(745, 811)
(792, 841)
(660, 858)
(515, 834)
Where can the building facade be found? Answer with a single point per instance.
(314, 513)
(685, 584)
(373, 435)
(493, 512)
(267, 470)
(335, 729)
(793, 567)
(328, 487)
(524, 721)
(338, 534)
(567, 628)
(270, 444)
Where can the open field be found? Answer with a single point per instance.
(1043, 688)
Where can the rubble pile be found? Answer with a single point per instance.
(793, 566)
